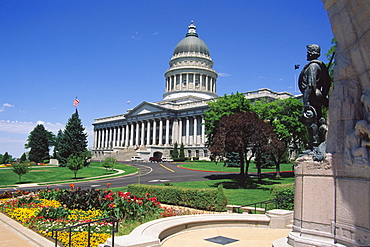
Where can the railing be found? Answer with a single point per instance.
(265, 204)
(114, 222)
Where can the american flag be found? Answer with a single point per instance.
(75, 102)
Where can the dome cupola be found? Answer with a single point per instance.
(191, 43)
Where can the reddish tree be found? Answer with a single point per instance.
(243, 132)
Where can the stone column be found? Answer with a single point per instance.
(160, 132)
(179, 140)
(114, 137)
(175, 130)
(142, 133)
(137, 133)
(118, 136)
(127, 135)
(167, 131)
(203, 132)
(195, 130)
(148, 133)
(132, 135)
(154, 132)
(95, 137)
(123, 136)
(106, 138)
(187, 131)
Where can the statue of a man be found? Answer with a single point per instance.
(314, 83)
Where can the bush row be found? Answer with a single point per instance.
(206, 199)
(281, 191)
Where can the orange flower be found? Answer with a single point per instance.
(108, 184)
(72, 186)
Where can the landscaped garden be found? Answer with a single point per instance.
(51, 209)
(48, 209)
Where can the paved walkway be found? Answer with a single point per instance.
(14, 234)
(244, 236)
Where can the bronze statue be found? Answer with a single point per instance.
(314, 83)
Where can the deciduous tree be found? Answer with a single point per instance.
(223, 106)
(241, 132)
(20, 169)
(75, 163)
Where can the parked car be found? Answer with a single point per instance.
(164, 159)
(137, 159)
(155, 159)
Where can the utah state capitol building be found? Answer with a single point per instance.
(152, 129)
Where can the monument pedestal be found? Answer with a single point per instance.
(314, 203)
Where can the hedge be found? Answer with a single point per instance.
(283, 190)
(206, 199)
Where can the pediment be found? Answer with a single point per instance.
(145, 108)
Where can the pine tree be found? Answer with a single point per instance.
(175, 152)
(39, 142)
(23, 158)
(5, 158)
(182, 152)
(73, 140)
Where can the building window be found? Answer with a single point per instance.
(205, 153)
(189, 153)
(197, 79)
(196, 153)
(184, 79)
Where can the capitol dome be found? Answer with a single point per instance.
(191, 43)
(191, 72)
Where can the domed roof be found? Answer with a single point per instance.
(191, 43)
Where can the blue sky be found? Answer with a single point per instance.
(110, 51)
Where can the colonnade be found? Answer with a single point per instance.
(162, 132)
(190, 81)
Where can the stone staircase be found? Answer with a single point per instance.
(124, 154)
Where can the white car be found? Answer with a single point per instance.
(137, 159)
(167, 159)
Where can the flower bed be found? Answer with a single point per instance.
(48, 209)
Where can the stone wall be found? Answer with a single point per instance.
(350, 103)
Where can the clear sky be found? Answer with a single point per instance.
(108, 52)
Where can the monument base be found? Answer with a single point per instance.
(314, 203)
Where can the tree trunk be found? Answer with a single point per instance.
(242, 174)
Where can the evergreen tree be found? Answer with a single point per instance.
(5, 159)
(175, 152)
(73, 140)
(182, 152)
(232, 159)
(39, 142)
(23, 158)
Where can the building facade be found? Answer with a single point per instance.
(152, 129)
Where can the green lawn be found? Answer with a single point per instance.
(41, 174)
(254, 192)
(219, 167)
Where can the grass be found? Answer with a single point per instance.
(40, 174)
(253, 191)
(219, 167)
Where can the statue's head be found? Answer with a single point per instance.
(361, 127)
(313, 52)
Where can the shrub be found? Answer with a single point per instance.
(195, 158)
(206, 199)
(281, 191)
